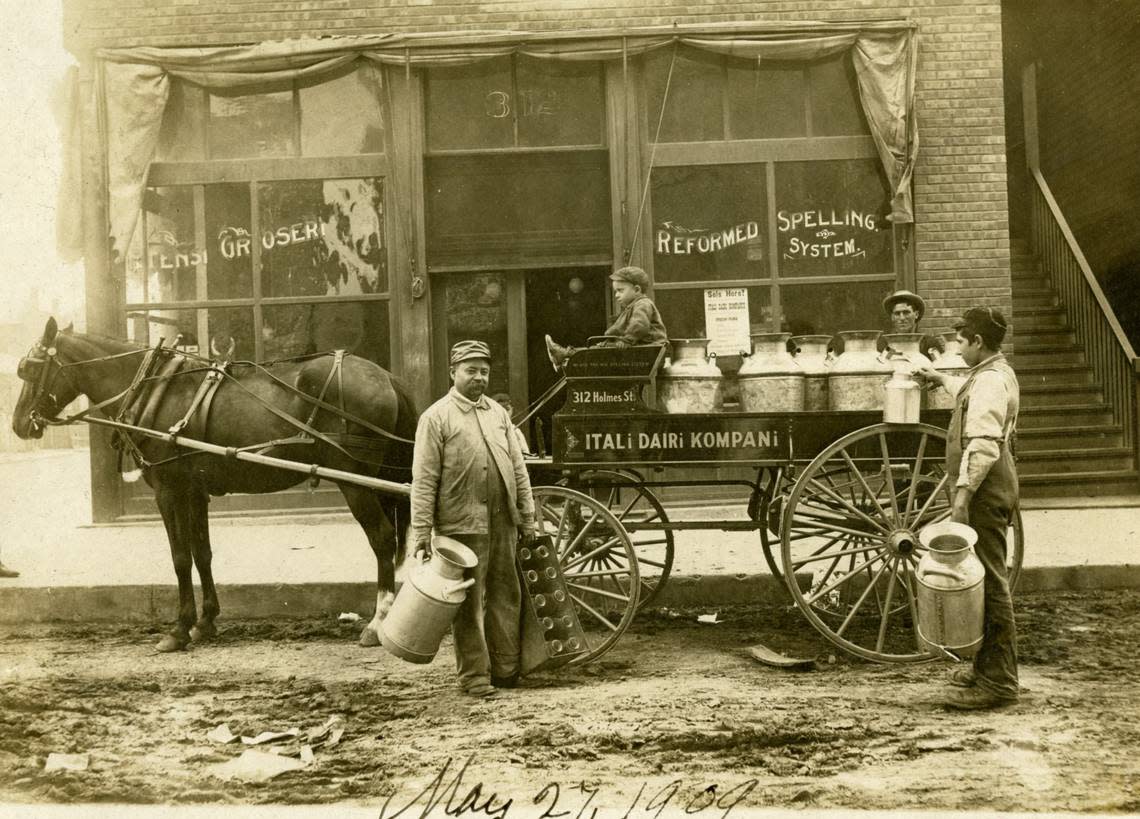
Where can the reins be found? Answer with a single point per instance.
(143, 379)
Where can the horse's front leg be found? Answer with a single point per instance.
(369, 513)
(198, 511)
(175, 516)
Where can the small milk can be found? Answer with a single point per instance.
(427, 602)
(902, 402)
(857, 377)
(770, 379)
(951, 363)
(950, 591)
(691, 381)
(811, 355)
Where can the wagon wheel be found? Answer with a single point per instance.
(849, 537)
(774, 500)
(597, 560)
(632, 504)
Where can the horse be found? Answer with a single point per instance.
(336, 401)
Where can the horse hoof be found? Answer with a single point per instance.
(369, 638)
(203, 631)
(170, 643)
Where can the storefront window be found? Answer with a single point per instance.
(683, 311)
(710, 223)
(475, 307)
(360, 328)
(217, 332)
(694, 106)
(831, 309)
(322, 237)
(830, 218)
(766, 101)
(163, 261)
(502, 103)
(252, 124)
(342, 115)
(835, 106)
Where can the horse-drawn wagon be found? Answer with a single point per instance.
(836, 497)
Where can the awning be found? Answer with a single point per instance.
(136, 81)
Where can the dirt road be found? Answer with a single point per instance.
(675, 708)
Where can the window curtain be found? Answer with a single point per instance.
(136, 81)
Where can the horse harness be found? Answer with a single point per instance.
(142, 399)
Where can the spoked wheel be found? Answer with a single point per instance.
(776, 488)
(634, 506)
(597, 560)
(849, 538)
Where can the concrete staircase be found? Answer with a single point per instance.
(1068, 443)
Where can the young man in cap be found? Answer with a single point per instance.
(983, 480)
(639, 322)
(469, 483)
(905, 309)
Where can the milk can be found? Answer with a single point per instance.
(691, 381)
(859, 373)
(770, 379)
(811, 355)
(427, 602)
(902, 402)
(950, 591)
(951, 363)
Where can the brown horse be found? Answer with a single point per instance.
(252, 405)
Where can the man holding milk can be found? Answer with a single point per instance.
(983, 480)
(469, 482)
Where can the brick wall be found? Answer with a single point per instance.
(962, 239)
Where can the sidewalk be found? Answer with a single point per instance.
(297, 566)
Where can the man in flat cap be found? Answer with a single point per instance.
(983, 480)
(905, 309)
(639, 321)
(469, 483)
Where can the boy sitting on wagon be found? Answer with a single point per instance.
(639, 321)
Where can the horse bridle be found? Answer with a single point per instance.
(36, 369)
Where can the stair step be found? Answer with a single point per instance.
(1065, 461)
(1056, 336)
(1047, 395)
(1033, 298)
(1063, 415)
(1081, 484)
(1054, 373)
(1071, 437)
(1040, 318)
(1028, 355)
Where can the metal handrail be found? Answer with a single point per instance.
(1109, 352)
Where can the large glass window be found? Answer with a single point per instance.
(515, 102)
(306, 261)
(708, 97)
(339, 114)
(710, 223)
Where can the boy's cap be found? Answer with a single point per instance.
(464, 350)
(633, 275)
(981, 317)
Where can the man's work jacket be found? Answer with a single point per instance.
(457, 442)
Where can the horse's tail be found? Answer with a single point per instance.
(407, 416)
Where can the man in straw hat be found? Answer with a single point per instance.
(469, 483)
(983, 479)
(905, 310)
(639, 321)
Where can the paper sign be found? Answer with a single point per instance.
(726, 320)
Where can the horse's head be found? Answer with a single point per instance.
(47, 389)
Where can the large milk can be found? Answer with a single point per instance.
(902, 400)
(859, 374)
(951, 363)
(770, 379)
(905, 349)
(691, 382)
(950, 591)
(811, 355)
(427, 602)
